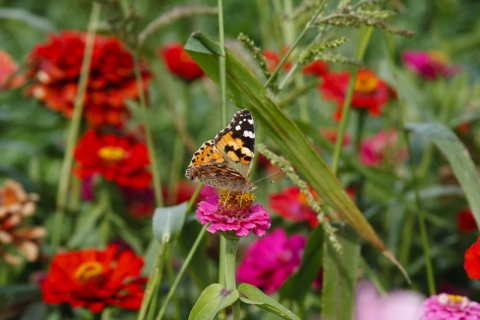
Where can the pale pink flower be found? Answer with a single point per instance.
(429, 64)
(234, 212)
(396, 305)
(381, 147)
(450, 307)
(271, 260)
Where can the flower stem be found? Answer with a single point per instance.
(153, 280)
(307, 27)
(221, 62)
(157, 187)
(67, 163)
(364, 37)
(185, 264)
(414, 177)
(230, 256)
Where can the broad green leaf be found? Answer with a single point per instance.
(342, 270)
(458, 157)
(253, 295)
(214, 298)
(246, 91)
(297, 285)
(168, 222)
(28, 18)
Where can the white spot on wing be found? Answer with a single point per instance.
(248, 134)
(250, 121)
(238, 128)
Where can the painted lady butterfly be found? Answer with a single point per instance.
(226, 161)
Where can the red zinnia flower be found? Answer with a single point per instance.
(94, 279)
(472, 261)
(179, 63)
(8, 77)
(292, 205)
(55, 70)
(317, 68)
(120, 159)
(465, 221)
(370, 92)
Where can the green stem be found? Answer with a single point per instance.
(364, 37)
(153, 280)
(222, 63)
(185, 264)
(67, 163)
(106, 313)
(230, 256)
(157, 187)
(307, 27)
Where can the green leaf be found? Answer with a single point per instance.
(297, 285)
(253, 295)
(168, 222)
(458, 157)
(246, 91)
(28, 18)
(338, 289)
(214, 298)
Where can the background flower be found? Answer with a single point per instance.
(396, 305)
(449, 307)
(15, 206)
(54, 68)
(429, 64)
(269, 261)
(292, 205)
(472, 261)
(179, 63)
(234, 212)
(465, 221)
(120, 159)
(95, 278)
(9, 79)
(370, 92)
(381, 147)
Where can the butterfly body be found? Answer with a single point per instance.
(226, 161)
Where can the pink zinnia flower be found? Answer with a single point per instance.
(450, 307)
(375, 150)
(396, 305)
(271, 260)
(234, 212)
(430, 65)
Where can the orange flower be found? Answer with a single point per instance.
(94, 279)
(370, 92)
(120, 159)
(55, 66)
(15, 205)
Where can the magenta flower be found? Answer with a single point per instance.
(429, 64)
(449, 307)
(270, 260)
(374, 151)
(234, 212)
(396, 305)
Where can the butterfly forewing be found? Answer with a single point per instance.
(226, 161)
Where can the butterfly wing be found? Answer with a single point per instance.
(208, 166)
(237, 143)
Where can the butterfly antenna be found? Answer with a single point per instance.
(271, 174)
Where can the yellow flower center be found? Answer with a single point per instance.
(366, 82)
(302, 198)
(455, 298)
(89, 271)
(233, 198)
(438, 57)
(112, 154)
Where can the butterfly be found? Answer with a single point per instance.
(226, 161)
